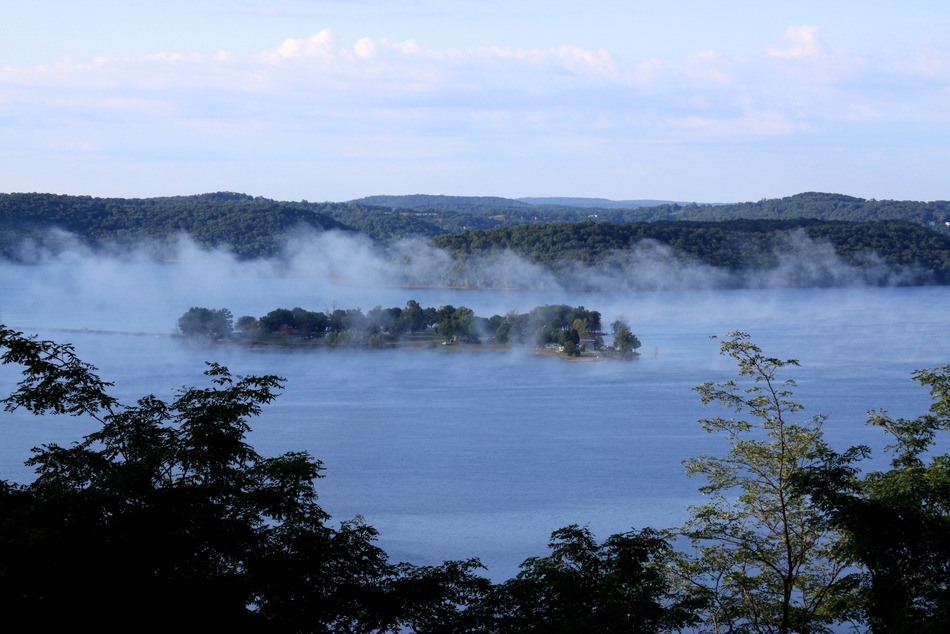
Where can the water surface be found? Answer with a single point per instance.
(460, 455)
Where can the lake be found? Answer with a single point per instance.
(453, 455)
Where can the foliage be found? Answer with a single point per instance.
(625, 342)
(477, 211)
(579, 253)
(206, 323)
(897, 521)
(763, 556)
(248, 226)
(823, 206)
(384, 327)
(619, 585)
(54, 379)
(165, 517)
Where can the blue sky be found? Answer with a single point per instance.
(338, 99)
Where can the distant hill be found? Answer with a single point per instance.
(257, 227)
(817, 205)
(440, 202)
(597, 203)
(496, 203)
(438, 215)
(250, 226)
(823, 206)
(471, 203)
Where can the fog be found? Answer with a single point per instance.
(344, 262)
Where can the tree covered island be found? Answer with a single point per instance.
(568, 331)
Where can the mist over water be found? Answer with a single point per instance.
(456, 455)
(355, 260)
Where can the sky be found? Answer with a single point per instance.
(333, 100)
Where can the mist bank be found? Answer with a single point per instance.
(561, 257)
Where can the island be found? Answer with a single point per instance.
(558, 330)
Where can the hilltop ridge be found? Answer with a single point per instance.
(911, 239)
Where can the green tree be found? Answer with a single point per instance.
(572, 336)
(508, 328)
(580, 326)
(414, 317)
(571, 349)
(593, 322)
(897, 521)
(248, 326)
(763, 557)
(166, 518)
(386, 320)
(456, 323)
(465, 328)
(206, 323)
(278, 321)
(618, 585)
(625, 342)
(445, 323)
(342, 320)
(309, 324)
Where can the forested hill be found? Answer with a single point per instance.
(902, 235)
(465, 204)
(595, 203)
(489, 212)
(875, 251)
(822, 207)
(250, 226)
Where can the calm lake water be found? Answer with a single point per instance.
(453, 455)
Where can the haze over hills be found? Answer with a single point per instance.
(440, 201)
(818, 205)
(485, 202)
(597, 203)
(818, 238)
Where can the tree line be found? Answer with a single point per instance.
(572, 329)
(484, 212)
(904, 235)
(249, 226)
(165, 516)
(739, 246)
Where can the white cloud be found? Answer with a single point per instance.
(802, 40)
(304, 76)
(579, 60)
(364, 48)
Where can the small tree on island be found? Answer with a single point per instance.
(625, 342)
(206, 323)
